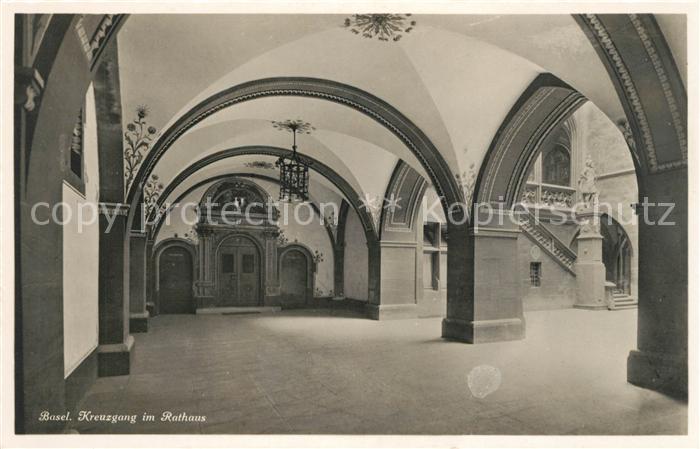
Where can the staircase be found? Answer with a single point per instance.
(562, 254)
(557, 250)
(623, 301)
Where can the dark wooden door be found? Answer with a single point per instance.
(294, 279)
(248, 276)
(239, 274)
(175, 279)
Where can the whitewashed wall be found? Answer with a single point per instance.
(81, 256)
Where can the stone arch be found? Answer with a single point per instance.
(345, 188)
(382, 112)
(546, 103)
(153, 232)
(352, 197)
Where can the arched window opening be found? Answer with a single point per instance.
(556, 167)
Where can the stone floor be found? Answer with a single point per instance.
(336, 373)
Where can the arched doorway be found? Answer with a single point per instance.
(617, 254)
(175, 281)
(239, 274)
(296, 277)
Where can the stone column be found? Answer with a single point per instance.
(115, 343)
(339, 270)
(138, 315)
(484, 302)
(590, 270)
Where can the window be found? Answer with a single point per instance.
(535, 274)
(248, 263)
(227, 263)
(556, 167)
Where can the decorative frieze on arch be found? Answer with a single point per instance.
(418, 143)
(654, 67)
(544, 105)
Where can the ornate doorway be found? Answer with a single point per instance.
(175, 281)
(239, 273)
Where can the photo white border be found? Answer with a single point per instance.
(7, 271)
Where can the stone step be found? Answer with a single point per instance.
(625, 306)
(625, 302)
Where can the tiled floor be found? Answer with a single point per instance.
(333, 372)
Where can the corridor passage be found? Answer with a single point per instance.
(336, 373)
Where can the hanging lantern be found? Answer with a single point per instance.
(294, 173)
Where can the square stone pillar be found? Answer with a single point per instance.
(484, 303)
(115, 343)
(138, 315)
(397, 281)
(590, 270)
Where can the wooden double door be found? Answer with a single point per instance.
(239, 273)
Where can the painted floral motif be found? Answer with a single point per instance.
(384, 27)
(151, 192)
(331, 222)
(318, 257)
(137, 141)
(467, 180)
(281, 238)
(192, 236)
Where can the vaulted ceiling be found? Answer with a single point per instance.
(454, 76)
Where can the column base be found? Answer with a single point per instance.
(391, 311)
(661, 372)
(115, 360)
(138, 323)
(483, 331)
